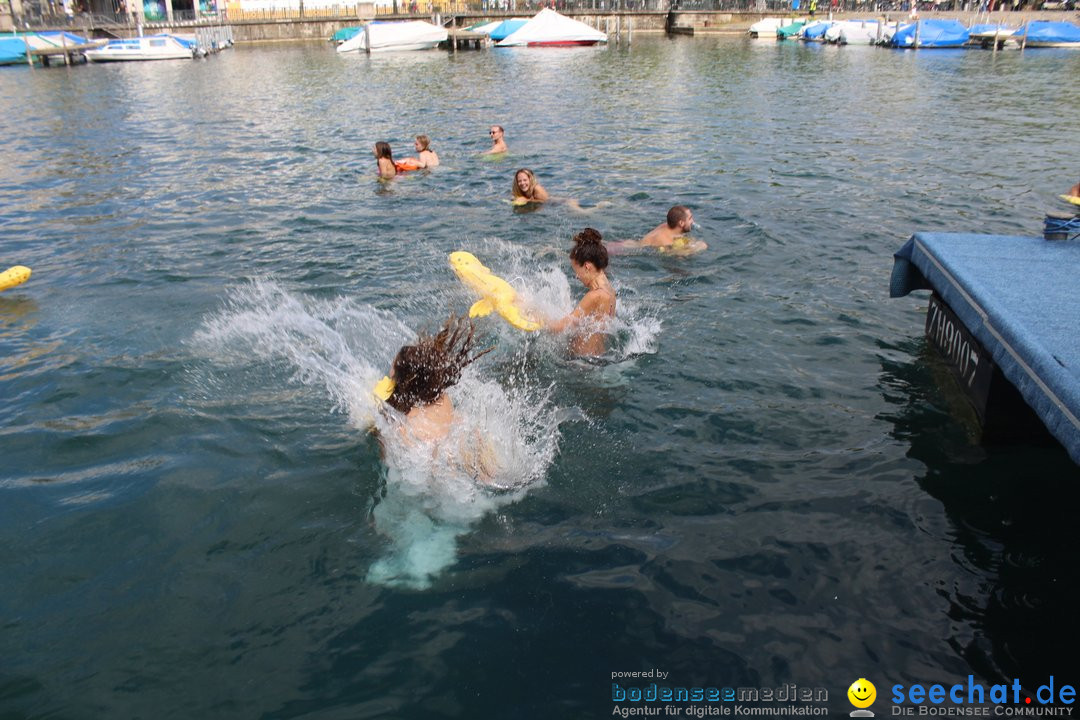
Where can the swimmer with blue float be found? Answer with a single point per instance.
(589, 260)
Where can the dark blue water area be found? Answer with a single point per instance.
(769, 478)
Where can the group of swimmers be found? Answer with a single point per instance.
(422, 372)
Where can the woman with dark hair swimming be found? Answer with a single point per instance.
(385, 159)
(589, 259)
(423, 371)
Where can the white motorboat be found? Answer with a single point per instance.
(390, 36)
(148, 47)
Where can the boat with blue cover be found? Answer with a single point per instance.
(932, 34)
(506, 28)
(1045, 33)
(13, 46)
(815, 31)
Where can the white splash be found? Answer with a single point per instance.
(505, 439)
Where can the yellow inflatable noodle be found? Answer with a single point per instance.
(13, 276)
(520, 201)
(496, 295)
(1075, 200)
(384, 389)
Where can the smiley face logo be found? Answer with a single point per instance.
(862, 693)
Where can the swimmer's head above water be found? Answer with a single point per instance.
(588, 249)
(423, 371)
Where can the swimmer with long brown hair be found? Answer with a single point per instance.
(424, 370)
(589, 260)
(385, 160)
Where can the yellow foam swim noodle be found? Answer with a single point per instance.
(384, 389)
(496, 295)
(13, 276)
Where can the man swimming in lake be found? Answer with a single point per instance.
(498, 143)
(679, 221)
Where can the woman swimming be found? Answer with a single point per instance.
(526, 189)
(589, 258)
(385, 160)
(423, 371)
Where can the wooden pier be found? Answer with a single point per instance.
(465, 39)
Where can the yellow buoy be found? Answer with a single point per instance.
(13, 276)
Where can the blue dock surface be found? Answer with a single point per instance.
(1020, 298)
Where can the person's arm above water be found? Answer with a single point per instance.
(591, 304)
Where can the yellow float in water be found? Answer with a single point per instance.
(496, 295)
(13, 276)
(1075, 200)
(384, 388)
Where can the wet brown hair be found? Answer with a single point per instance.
(424, 370)
(676, 215)
(589, 247)
(424, 142)
(382, 150)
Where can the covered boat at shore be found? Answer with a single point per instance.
(13, 46)
(931, 34)
(1044, 33)
(549, 28)
(815, 31)
(766, 28)
(853, 32)
(505, 29)
(986, 34)
(790, 30)
(392, 36)
(148, 47)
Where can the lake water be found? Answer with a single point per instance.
(767, 480)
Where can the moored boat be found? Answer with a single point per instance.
(148, 47)
(549, 28)
(931, 34)
(766, 28)
(987, 34)
(1045, 33)
(790, 30)
(853, 32)
(392, 36)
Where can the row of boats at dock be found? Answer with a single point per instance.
(547, 28)
(928, 33)
(25, 47)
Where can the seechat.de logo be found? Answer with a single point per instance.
(861, 694)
